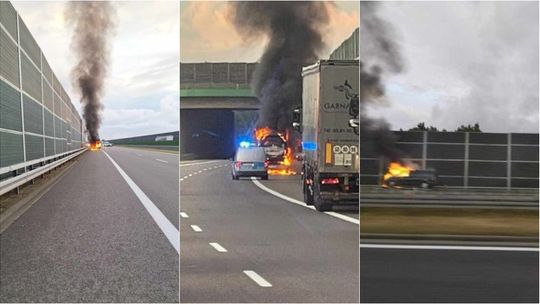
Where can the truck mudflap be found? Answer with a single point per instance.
(341, 198)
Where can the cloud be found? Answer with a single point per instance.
(119, 123)
(207, 33)
(144, 60)
(476, 61)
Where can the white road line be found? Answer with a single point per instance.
(164, 224)
(446, 247)
(139, 154)
(161, 160)
(198, 163)
(218, 247)
(181, 179)
(196, 228)
(257, 278)
(190, 175)
(184, 215)
(349, 219)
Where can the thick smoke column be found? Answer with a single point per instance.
(379, 54)
(293, 31)
(93, 26)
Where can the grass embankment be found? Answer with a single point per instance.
(449, 221)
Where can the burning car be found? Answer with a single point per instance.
(404, 176)
(273, 143)
(96, 145)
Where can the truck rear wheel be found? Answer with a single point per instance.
(322, 205)
(308, 191)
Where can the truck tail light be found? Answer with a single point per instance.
(237, 165)
(330, 181)
(328, 153)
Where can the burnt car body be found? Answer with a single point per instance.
(425, 179)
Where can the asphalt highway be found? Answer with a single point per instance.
(91, 239)
(240, 243)
(447, 275)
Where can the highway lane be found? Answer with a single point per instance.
(230, 227)
(156, 173)
(89, 239)
(435, 275)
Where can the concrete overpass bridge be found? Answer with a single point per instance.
(210, 95)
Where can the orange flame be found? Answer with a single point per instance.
(398, 169)
(284, 167)
(95, 146)
(262, 133)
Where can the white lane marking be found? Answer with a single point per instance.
(349, 219)
(198, 163)
(184, 215)
(161, 160)
(164, 224)
(139, 154)
(257, 278)
(218, 247)
(196, 228)
(181, 179)
(447, 247)
(190, 175)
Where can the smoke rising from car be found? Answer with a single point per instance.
(93, 26)
(379, 56)
(294, 37)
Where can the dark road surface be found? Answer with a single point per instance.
(89, 238)
(426, 275)
(305, 256)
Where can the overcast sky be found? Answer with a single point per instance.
(207, 33)
(142, 88)
(465, 62)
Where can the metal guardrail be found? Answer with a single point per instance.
(35, 161)
(19, 180)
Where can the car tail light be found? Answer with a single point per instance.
(237, 164)
(266, 164)
(330, 181)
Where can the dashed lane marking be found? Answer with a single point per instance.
(257, 278)
(218, 247)
(184, 215)
(161, 160)
(201, 171)
(196, 228)
(161, 220)
(198, 163)
(349, 219)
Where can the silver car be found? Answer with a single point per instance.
(250, 162)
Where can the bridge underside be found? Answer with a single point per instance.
(207, 133)
(229, 103)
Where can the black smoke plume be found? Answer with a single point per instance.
(93, 26)
(379, 55)
(294, 41)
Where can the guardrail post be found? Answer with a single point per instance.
(509, 162)
(466, 162)
(424, 149)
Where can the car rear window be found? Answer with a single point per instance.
(251, 155)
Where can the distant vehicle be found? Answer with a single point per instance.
(274, 147)
(250, 162)
(425, 179)
(107, 144)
